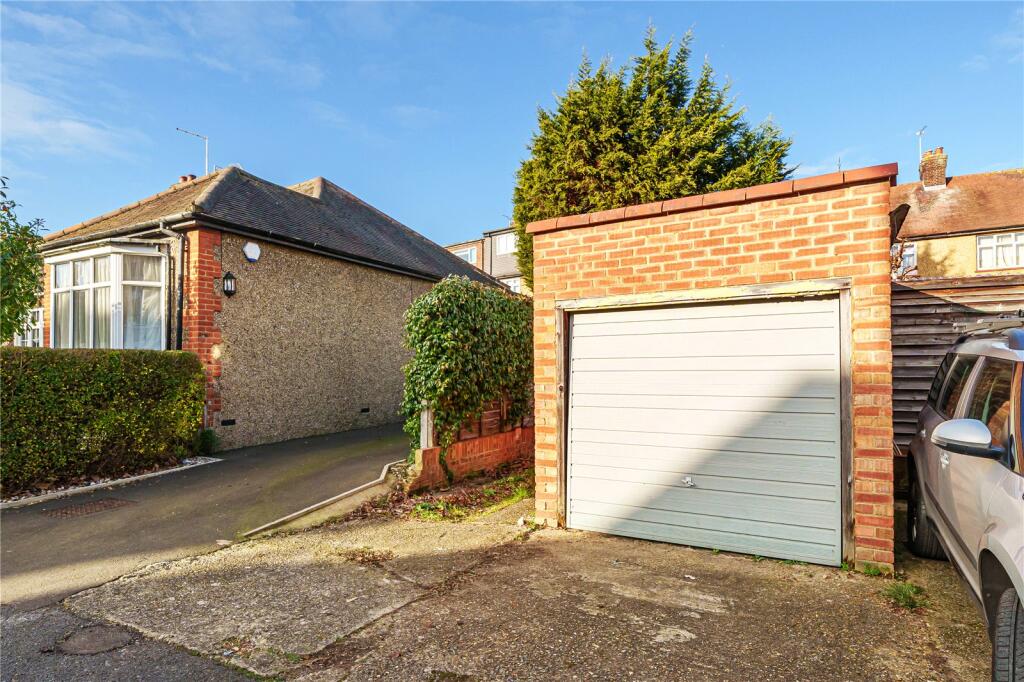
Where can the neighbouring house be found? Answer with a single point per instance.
(960, 226)
(292, 297)
(495, 254)
(962, 241)
(715, 370)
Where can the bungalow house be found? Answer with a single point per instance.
(960, 226)
(292, 297)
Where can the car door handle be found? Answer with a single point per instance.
(944, 458)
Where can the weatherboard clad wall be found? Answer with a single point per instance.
(763, 456)
(924, 313)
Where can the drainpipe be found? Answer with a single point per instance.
(180, 267)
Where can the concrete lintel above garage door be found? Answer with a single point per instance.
(715, 424)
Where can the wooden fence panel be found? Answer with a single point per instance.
(923, 315)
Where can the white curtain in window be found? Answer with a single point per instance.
(83, 272)
(141, 269)
(142, 317)
(81, 321)
(101, 323)
(102, 273)
(62, 275)
(62, 320)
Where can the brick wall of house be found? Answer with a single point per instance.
(832, 226)
(201, 333)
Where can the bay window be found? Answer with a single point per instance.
(110, 297)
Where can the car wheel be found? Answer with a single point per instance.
(1008, 639)
(922, 537)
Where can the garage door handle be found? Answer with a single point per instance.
(688, 481)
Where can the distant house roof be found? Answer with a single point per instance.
(967, 203)
(315, 214)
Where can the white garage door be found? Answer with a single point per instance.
(709, 425)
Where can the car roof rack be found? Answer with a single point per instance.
(1000, 324)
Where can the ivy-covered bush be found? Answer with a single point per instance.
(472, 344)
(69, 415)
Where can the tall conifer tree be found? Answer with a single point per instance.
(631, 136)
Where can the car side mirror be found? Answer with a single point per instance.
(966, 437)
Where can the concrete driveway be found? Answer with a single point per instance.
(487, 599)
(46, 558)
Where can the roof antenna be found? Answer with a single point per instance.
(206, 148)
(920, 139)
(839, 163)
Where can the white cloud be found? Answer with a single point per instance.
(415, 116)
(334, 117)
(1004, 47)
(33, 123)
(57, 101)
(975, 64)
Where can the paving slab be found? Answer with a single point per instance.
(423, 552)
(580, 606)
(265, 604)
(260, 605)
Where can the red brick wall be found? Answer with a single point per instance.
(200, 332)
(466, 457)
(815, 228)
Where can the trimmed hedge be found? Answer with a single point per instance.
(472, 344)
(69, 415)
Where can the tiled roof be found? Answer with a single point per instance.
(968, 203)
(315, 213)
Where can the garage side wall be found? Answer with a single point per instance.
(308, 345)
(837, 231)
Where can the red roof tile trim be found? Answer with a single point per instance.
(731, 196)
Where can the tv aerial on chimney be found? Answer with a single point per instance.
(920, 142)
(206, 148)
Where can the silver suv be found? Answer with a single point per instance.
(967, 481)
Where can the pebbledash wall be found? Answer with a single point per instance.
(795, 234)
(308, 344)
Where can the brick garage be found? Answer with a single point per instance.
(815, 247)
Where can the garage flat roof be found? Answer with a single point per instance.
(815, 183)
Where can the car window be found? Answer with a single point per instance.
(991, 402)
(955, 384)
(940, 378)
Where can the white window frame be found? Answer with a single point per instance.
(505, 243)
(514, 283)
(909, 261)
(31, 334)
(467, 254)
(990, 242)
(116, 252)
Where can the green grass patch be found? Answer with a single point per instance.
(905, 595)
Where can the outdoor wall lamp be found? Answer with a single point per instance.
(229, 284)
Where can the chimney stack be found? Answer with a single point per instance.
(933, 168)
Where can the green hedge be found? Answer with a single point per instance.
(471, 344)
(68, 415)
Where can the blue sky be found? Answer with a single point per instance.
(425, 110)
